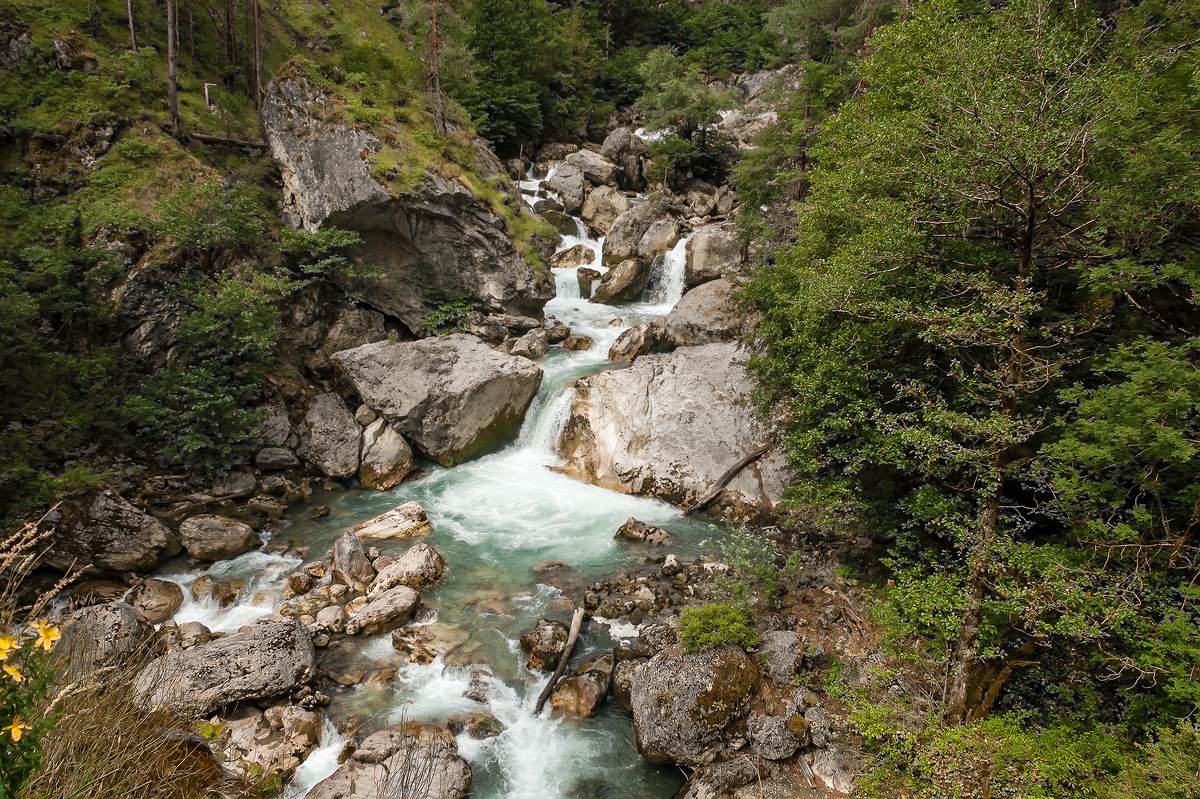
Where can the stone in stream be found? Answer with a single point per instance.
(452, 396)
(595, 167)
(637, 530)
(587, 279)
(386, 457)
(683, 704)
(579, 255)
(544, 642)
(581, 694)
(577, 342)
(627, 231)
(158, 600)
(104, 530)
(624, 282)
(416, 759)
(638, 340)
(406, 520)
(422, 644)
(533, 345)
(420, 567)
(385, 611)
(557, 333)
(210, 537)
(568, 183)
(350, 564)
(478, 725)
(658, 239)
(670, 426)
(602, 207)
(707, 314)
(563, 223)
(330, 437)
(270, 657)
(272, 741)
(712, 251)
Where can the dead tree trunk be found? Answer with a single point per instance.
(132, 30)
(257, 53)
(576, 622)
(172, 65)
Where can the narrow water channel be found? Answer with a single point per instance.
(495, 519)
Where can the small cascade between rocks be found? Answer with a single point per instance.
(496, 518)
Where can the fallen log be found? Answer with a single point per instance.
(576, 623)
(724, 479)
(225, 141)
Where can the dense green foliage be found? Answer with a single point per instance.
(716, 623)
(27, 668)
(985, 333)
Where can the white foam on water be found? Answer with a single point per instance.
(319, 764)
(263, 574)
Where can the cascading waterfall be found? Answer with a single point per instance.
(495, 518)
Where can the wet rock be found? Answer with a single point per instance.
(563, 223)
(330, 438)
(707, 314)
(544, 643)
(626, 151)
(712, 251)
(105, 531)
(568, 183)
(422, 760)
(479, 726)
(298, 583)
(385, 611)
(422, 644)
(211, 537)
(102, 635)
(577, 343)
(638, 340)
(595, 167)
(276, 459)
(350, 564)
(276, 740)
(683, 704)
(271, 657)
(407, 520)
(623, 282)
(319, 512)
(420, 567)
(386, 457)
(558, 332)
(235, 484)
(627, 231)
(587, 278)
(533, 345)
(658, 239)
(581, 694)
(602, 207)
(193, 633)
(332, 618)
(579, 255)
(453, 397)
(637, 530)
(670, 426)
(225, 592)
(478, 690)
(158, 600)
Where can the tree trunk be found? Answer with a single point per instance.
(132, 30)
(435, 72)
(172, 65)
(257, 54)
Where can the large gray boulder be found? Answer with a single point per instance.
(386, 456)
(428, 244)
(684, 704)
(569, 184)
(627, 231)
(602, 207)
(101, 635)
(417, 760)
(105, 531)
(595, 167)
(626, 151)
(210, 537)
(330, 438)
(624, 282)
(453, 397)
(705, 315)
(712, 251)
(671, 425)
(271, 657)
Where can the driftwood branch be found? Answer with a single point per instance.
(576, 622)
(724, 479)
(225, 141)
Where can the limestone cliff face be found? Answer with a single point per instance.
(432, 243)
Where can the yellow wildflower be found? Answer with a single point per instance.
(16, 729)
(47, 634)
(7, 645)
(14, 672)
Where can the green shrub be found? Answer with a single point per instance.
(447, 316)
(720, 622)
